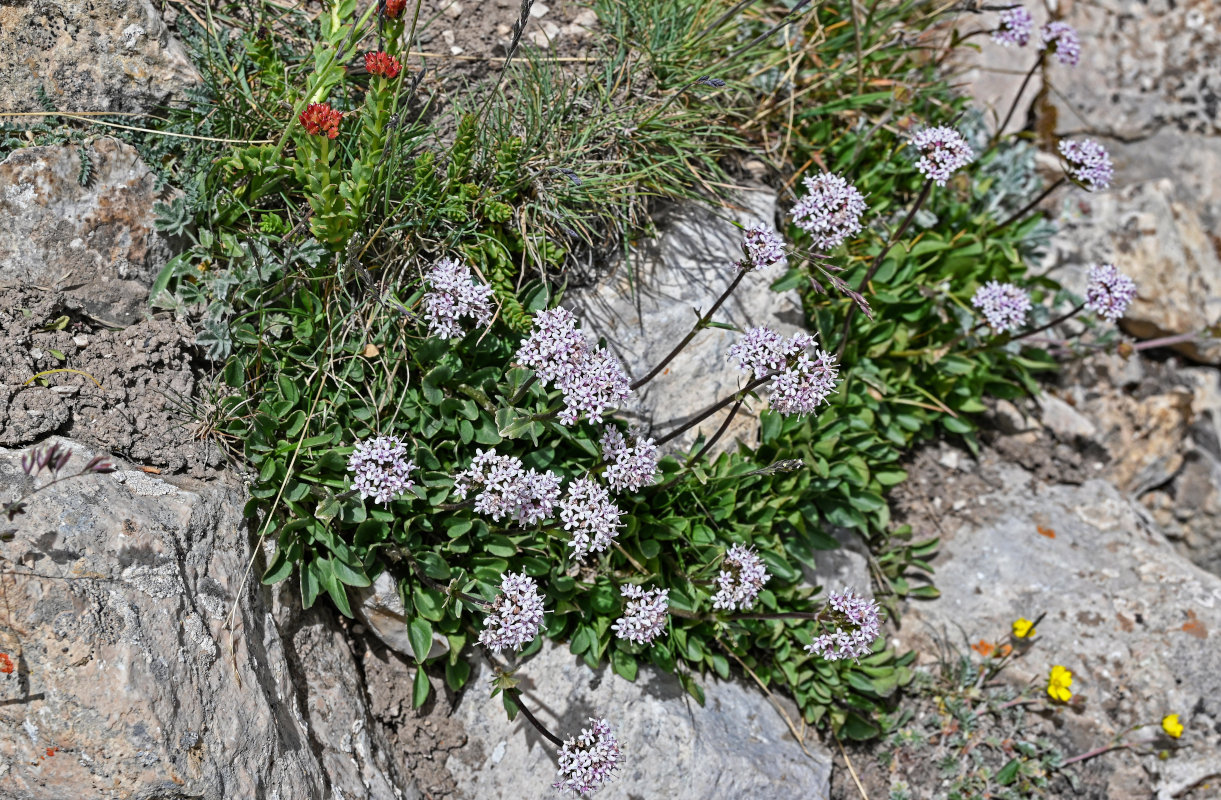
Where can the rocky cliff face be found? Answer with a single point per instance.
(149, 661)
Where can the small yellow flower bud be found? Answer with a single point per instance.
(1023, 628)
(1171, 725)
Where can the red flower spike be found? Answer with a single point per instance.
(319, 119)
(382, 64)
(394, 8)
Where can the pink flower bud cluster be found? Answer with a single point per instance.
(831, 212)
(589, 761)
(1062, 40)
(508, 489)
(645, 617)
(381, 468)
(763, 247)
(943, 152)
(742, 576)
(801, 382)
(1088, 163)
(591, 379)
(516, 615)
(1109, 292)
(857, 624)
(1004, 305)
(629, 469)
(454, 293)
(1015, 28)
(590, 515)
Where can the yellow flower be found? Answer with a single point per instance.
(1023, 628)
(1058, 683)
(1170, 724)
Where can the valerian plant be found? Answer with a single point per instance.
(413, 398)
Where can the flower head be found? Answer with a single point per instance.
(592, 380)
(319, 119)
(1088, 163)
(588, 512)
(599, 386)
(1002, 304)
(394, 8)
(831, 211)
(1023, 628)
(629, 469)
(516, 614)
(526, 496)
(454, 293)
(763, 247)
(801, 382)
(857, 624)
(1058, 682)
(1109, 292)
(6, 664)
(644, 619)
(1171, 725)
(381, 469)
(943, 152)
(1061, 39)
(742, 576)
(1015, 27)
(589, 760)
(382, 64)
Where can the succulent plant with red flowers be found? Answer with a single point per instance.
(382, 64)
(319, 119)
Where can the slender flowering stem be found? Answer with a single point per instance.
(700, 324)
(540, 727)
(996, 137)
(720, 431)
(1017, 215)
(715, 407)
(877, 261)
(521, 393)
(1097, 751)
(1051, 324)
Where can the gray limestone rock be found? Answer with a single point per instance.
(1133, 619)
(96, 242)
(118, 588)
(736, 746)
(115, 55)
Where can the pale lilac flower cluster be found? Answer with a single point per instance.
(590, 515)
(1061, 38)
(1088, 162)
(802, 382)
(508, 489)
(831, 212)
(591, 379)
(1109, 292)
(742, 576)
(381, 468)
(516, 614)
(763, 247)
(645, 617)
(857, 623)
(1004, 305)
(629, 469)
(454, 293)
(588, 761)
(943, 152)
(1015, 28)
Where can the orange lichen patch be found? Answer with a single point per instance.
(1048, 532)
(985, 649)
(1194, 627)
(6, 664)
